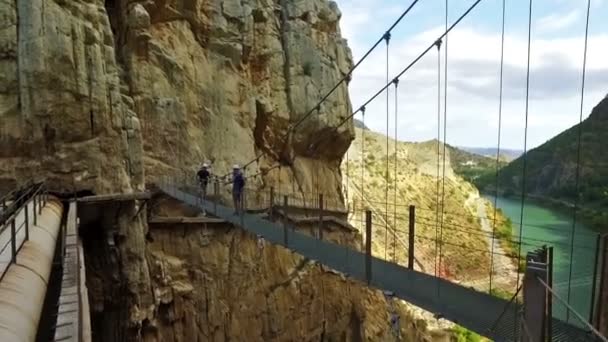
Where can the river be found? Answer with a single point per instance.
(553, 227)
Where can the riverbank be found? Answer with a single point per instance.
(596, 218)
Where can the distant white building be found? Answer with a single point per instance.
(469, 163)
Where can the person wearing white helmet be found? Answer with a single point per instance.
(203, 175)
(238, 183)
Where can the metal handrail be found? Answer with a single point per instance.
(20, 205)
(579, 316)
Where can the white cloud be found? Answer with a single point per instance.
(473, 80)
(558, 21)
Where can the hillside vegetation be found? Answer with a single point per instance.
(552, 167)
(464, 250)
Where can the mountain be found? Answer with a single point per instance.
(552, 167)
(471, 165)
(505, 154)
(359, 124)
(414, 180)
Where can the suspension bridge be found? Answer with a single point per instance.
(34, 223)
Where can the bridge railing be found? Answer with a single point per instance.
(261, 199)
(20, 210)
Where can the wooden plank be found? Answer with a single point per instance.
(116, 197)
(183, 219)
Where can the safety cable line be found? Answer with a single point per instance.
(395, 174)
(579, 316)
(387, 39)
(578, 155)
(345, 78)
(438, 154)
(445, 139)
(525, 155)
(502, 56)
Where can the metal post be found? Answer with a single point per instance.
(13, 243)
(549, 313)
(533, 329)
(285, 219)
(412, 235)
(27, 221)
(35, 210)
(600, 293)
(368, 246)
(594, 280)
(320, 217)
(271, 207)
(216, 197)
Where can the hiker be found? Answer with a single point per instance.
(238, 183)
(203, 179)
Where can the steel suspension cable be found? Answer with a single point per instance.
(578, 156)
(345, 78)
(402, 72)
(445, 139)
(525, 155)
(438, 160)
(387, 38)
(363, 163)
(502, 55)
(396, 82)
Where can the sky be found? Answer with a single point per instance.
(473, 68)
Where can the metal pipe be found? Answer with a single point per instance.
(23, 287)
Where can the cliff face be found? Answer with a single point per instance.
(100, 93)
(107, 96)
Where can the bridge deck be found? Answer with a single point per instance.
(474, 310)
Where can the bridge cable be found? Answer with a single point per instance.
(445, 140)
(345, 78)
(525, 155)
(437, 271)
(387, 38)
(396, 82)
(502, 55)
(363, 164)
(400, 74)
(578, 156)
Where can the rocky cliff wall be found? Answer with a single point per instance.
(96, 94)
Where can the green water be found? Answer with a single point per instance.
(553, 227)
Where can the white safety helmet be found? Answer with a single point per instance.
(205, 165)
(236, 167)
